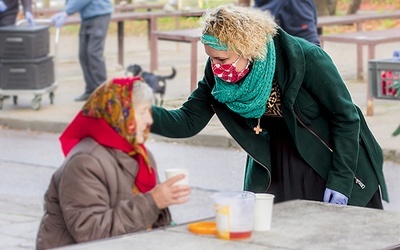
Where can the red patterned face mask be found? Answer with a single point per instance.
(228, 73)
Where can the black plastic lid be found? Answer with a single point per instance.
(23, 28)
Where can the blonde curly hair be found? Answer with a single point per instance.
(243, 30)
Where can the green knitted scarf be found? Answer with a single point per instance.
(249, 96)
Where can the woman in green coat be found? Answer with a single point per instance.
(283, 100)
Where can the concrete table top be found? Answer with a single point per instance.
(296, 224)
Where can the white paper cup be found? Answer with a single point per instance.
(169, 173)
(263, 212)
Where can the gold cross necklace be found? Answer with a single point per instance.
(258, 129)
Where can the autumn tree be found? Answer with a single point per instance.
(116, 2)
(328, 7)
(354, 6)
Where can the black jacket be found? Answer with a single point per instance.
(13, 5)
(296, 17)
(10, 15)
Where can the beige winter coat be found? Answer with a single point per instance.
(90, 197)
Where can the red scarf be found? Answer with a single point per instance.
(95, 125)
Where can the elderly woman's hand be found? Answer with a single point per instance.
(166, 193)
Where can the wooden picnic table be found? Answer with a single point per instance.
(191, 36)
(46, 12)
(369, 38)
(150, 17)
(357, 19)
(361, 37)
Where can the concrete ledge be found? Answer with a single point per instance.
(391, 155)
(205, 140)
(42, 126)
(202, 139)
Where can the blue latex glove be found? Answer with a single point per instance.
(334, 197)
(59, 19)
(396, 54)
(29, 18)
(3, 6)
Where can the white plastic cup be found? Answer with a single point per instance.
(169, 173)
(263, 212)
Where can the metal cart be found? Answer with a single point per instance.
(37, 93)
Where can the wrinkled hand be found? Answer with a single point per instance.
(3, 6)
(59, 19)
(29, 18)
(166, 194)
(334, 197)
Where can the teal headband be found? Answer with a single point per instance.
(213, 42)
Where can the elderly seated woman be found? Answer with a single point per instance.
(107, 185)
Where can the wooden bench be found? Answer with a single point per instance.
(47, 12)
(191, 36)
(138, 6)
(357, 19)
(150, 17)
(360, 38)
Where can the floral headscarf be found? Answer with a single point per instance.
(108, 117)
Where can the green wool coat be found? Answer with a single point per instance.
(329, 130)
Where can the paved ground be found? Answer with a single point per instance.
(26, 172)
(25, 179)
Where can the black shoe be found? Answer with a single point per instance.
(82, 97)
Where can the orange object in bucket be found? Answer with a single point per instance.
(234, 214)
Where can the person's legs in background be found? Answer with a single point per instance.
(92, 38)
(83, 37)
(7, 18)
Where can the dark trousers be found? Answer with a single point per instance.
(8, 18)
(92, 36)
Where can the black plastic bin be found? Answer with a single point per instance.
(22, 42)
(26, 74)
(25, 65)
